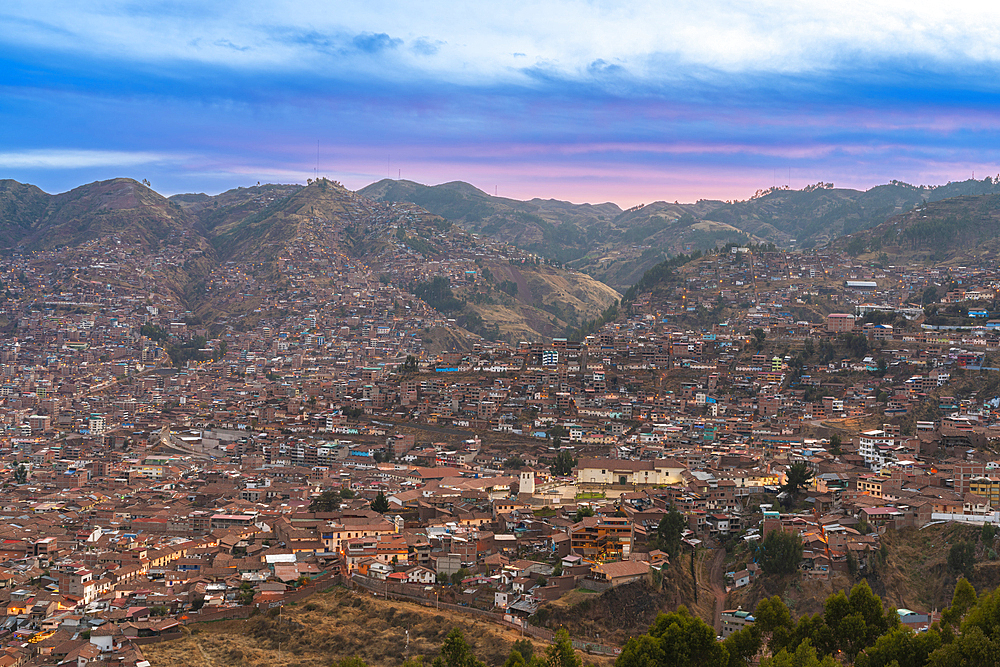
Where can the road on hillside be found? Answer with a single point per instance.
(718, 583)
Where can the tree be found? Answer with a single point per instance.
(20, 474)
(857, 621)
(245, 594)
(513, 463)
(458, 576)
(410, 365)
(798, 476)
(961, 558)
(582, 512)
(962, 600)
(381, 503)
(804, 656)
(561, 653)
(455, 652)
(668, 532)
(515, 659)
(835, 444)
(759, 336)
(563, 464)
(353, 661)
(742, 646)
(774, 622)
(780, 552)
(901, 646)
(676, 639)
(328, 501)
(525, 648)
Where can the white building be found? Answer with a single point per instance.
(877, 448)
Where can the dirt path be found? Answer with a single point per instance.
(718, 585)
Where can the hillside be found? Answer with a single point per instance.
(911, 572)
(121, 207)
(962, 229)
(21, 206)
(198, 247)
(602, 240)
(532, 302)
(120, 211)
(624, 611)
(821, 213)
(234, 205)
(617, 246)
(329, 627)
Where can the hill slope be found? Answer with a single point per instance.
(610, 244)
(329, 627)
(962, 229)
(617, 246)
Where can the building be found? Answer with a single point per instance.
(624, 472)
(840, 323)
(620, 573)
(735, 620)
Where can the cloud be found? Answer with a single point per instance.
(427, 47)
(225, 43)
(601, 67)
(80, 159)
(375, 42)
(576, 37)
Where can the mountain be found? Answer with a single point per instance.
(121, 208)
(232, 206)
(964, 229)
(119, 211)
(617, 246)
(565, 230)
(820, 213)
(21, 206)
(199, 247)
(602, 240)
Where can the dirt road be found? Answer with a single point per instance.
(718, 584)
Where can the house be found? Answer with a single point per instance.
(741, 578)
(735, 620)
(620, 573)
(420, 575)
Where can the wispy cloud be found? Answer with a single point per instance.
(81, 159)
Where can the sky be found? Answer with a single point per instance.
(585, 101)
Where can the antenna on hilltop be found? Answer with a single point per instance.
(317, 160)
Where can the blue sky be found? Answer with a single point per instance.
(585, 101)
